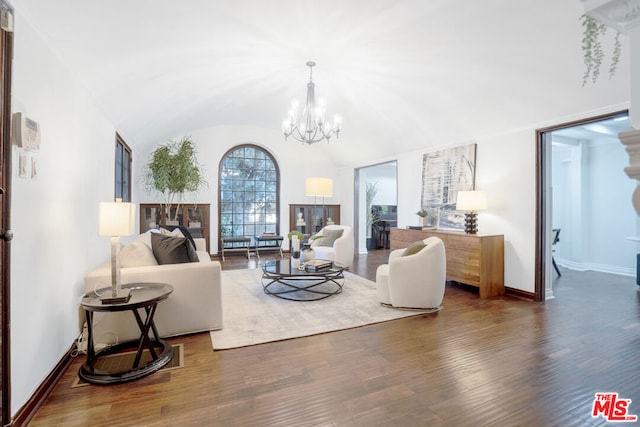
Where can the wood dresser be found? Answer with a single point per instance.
(472, 259)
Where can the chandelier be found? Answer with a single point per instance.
(310, 126)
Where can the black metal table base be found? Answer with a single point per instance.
(305, 288)
(88, 371)
(90, 374)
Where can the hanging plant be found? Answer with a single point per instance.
(592, 50)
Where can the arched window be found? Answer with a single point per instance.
(249, 192)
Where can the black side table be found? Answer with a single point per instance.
(143, 296)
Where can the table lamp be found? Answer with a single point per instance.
(318, 187)
(471, 202)
(116, 219)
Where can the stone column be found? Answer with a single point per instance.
(632, 140)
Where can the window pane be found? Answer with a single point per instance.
(248, 178)
(122, 178)
(119, 156)
(126, 174)
(118, 170)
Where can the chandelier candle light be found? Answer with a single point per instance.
(471, 201)
(310, 126)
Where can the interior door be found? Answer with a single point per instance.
(607, 124)
(6, 54)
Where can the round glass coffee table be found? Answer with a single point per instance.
(283, 279)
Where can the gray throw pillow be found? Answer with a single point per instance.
(172, 250)
(330, 236)
(414, 248)
(181, 232)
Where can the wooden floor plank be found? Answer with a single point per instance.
(499, 361)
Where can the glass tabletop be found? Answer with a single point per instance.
(142, 295)
(284, 267)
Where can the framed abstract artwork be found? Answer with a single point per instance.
(444, 173)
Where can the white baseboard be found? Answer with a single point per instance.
(603, 268)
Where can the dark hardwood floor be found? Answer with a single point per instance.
(500, 361)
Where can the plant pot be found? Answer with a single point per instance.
(371, 243)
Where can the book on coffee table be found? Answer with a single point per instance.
(318, 264)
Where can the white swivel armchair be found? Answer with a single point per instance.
(414, 277)
(340, 250)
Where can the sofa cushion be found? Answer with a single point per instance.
(414, 248)
(138, 253)
(172, 250)
(329, 236)
(178, 230)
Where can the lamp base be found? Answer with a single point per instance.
(123, 296)
(471, 222)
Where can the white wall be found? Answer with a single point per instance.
(505, 167)
(592, 206)
(297, 161)
(386, 191)
(568, 206)
(612, 217)
(384, 176)
(634, 84)
(54, 216)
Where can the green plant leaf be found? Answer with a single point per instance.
(173, 170)
(592, 50)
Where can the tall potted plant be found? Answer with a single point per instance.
(172, 171)
(372, 217)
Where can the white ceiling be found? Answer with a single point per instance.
(405, 75)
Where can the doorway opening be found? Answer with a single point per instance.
(584, 210)
(376, 200)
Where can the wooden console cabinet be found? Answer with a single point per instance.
(472, 259)
(194, 217)
(314, 217)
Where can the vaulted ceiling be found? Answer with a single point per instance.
(405, 75)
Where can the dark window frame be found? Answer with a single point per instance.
(235, 220)
(122, 170)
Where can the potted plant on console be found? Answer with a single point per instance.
(422, 213)
(172, 171)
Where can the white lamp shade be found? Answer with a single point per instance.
(116, 219)
(471, 201)
(319, 187)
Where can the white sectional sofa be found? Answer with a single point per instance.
(194, 306)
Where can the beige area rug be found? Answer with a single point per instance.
(120, 362)
(252, 317)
